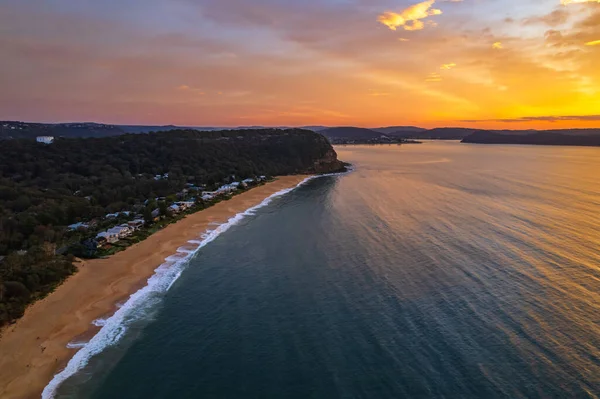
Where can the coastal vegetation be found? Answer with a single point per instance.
(96, 183)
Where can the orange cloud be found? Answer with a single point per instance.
(410, 18)
(594, 43)
(433, 77)
(448, 66)
(497, 46)
(566, 2)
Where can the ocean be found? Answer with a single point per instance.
(440, 270)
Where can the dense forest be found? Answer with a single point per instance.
(44, 188)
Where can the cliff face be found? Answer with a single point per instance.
(329, 163)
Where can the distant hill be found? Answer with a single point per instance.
(584, 137)
(137, 129)
(24, 130)
(317, 128)
(350, 132)
(441, 133)
(398, 130)
(336, 135)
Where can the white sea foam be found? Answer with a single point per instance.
(102, 322)
(164, 277)
(76, 344)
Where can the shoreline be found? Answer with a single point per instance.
(34, 349)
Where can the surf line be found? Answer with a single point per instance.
(114, 328)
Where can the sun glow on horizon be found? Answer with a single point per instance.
(428, 63)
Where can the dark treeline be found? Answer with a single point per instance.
(566, 138)
(44, 188)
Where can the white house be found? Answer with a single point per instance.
(108, 236)
(44, 139)
(121, 231)
(136, 224)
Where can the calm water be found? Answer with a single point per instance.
(440, 270)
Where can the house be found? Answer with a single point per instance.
(107, 237)
(44, 139)
(78, 226)
(248, 181)
(175, 208)
(136, 224)
(121, 231)
(160, 177)
(184, 205)
(101, 241)
(117, 214)
(227, 188)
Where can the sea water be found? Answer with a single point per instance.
(441, 270)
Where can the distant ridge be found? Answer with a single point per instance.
(350, 132)
(341, 134)
(399, 130)
(585, 137)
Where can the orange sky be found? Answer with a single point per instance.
(507, 64)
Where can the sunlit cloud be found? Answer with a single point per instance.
(594, 43)
(402, 39)
(183, 87)
(498, 46)
(448, 66)
(411, 18)
(433, 77)
(552, 119)
(566, 2)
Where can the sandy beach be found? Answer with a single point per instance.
(34, 349)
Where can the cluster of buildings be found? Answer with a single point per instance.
(119, 232)
(229, 188)
(116, 233)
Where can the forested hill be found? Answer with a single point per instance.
(101, 182)
(48, 186)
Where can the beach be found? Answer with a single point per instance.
(35, 348)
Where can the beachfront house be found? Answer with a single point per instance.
(107, 237)
(122, 231)
(184, 205)
(136, 224)
(207, 196)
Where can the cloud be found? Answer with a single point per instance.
(559, 118)
(497, 46)
(593, 43)
(433, 77)
(448, 66)
(410, 18)
(557, 17)
(566, 2)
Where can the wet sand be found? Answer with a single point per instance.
(34, 349)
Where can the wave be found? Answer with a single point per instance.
(115, 327)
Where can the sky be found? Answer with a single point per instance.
(508, 64)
